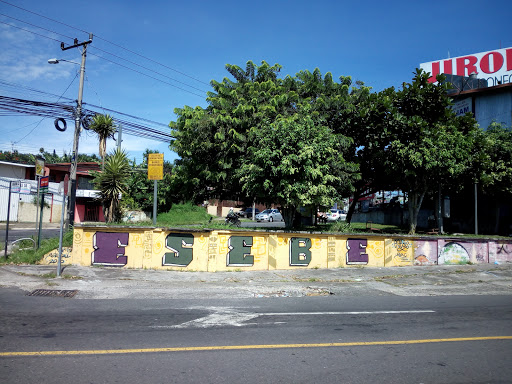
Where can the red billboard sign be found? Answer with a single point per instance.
(494, 66)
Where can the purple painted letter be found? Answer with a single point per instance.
(109, 248)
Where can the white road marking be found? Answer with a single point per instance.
(343, 313)
(223, 316)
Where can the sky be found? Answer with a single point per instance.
(148, 58)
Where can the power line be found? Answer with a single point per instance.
(148, 69)
(27, 30)
(40, 121)
(124, 66)
(15, 106)
(14, 85)
(151, 77)
(107, 41)
(36, 26)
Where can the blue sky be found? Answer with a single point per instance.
(188, 44)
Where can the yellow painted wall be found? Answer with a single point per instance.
(225, 250)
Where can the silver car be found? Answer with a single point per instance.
(336, 215)
(269, 215)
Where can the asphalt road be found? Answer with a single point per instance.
(28, 232)
(327, 339)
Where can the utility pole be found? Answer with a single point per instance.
(74, 159)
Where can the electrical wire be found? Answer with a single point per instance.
(146, 68)
(36, 26)
(40, 121)
(14, 106)
(107, 41)
(151, 77)
(14, 85)
(29, 31)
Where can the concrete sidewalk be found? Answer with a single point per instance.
(119, 283)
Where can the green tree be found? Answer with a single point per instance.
(494, 161)
(297, 163)
(104, 127)
(369, 123)
(429, 143)
(213, 142)
(112, 183)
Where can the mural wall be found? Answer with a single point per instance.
(135, 247)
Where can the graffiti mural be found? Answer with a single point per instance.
(239, 254)
(402, 256)
(453, 253)
(109, 248)
(356, 251)
(300, 251)
(180, 246)
(221, 250)
(425, 252)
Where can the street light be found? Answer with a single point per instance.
(74, 159)
(57, 61)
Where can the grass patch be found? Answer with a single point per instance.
(183, 214)
(32, 256)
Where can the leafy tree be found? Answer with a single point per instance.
(104, 127)
(495, 160)
(429, 143)
(297, 163)
(214, 142)
(112, 183)
(369, 123)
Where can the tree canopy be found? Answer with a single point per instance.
(218, 144)
(308, 140)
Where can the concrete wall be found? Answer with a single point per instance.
(27, 212)
(158, 248)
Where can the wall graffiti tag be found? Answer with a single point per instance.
(239, 254)
(356, 251)
(109, 248)
(453, 253)
(180, 246)
(221, 250)
(300, 251)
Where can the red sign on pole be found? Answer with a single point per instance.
(43, 184)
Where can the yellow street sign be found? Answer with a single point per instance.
(156, 166)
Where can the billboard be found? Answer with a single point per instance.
(493, 66)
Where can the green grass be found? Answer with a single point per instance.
(32, 256)
(183, 214)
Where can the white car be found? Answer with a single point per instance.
(336, 215)
(269, 215)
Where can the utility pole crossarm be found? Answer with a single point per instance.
(76, 43)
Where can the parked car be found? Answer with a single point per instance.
(269, 215)
(336, 215)
(248, 212)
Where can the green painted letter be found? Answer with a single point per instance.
(239, 254)
(181, 249)
(300, 254)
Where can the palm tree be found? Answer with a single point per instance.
(104, 127)
(112, 182)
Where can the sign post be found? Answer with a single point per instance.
(39, 173)
(43, 188)
(155, 172)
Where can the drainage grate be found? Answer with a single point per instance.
(53, 292)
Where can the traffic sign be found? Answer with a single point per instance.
(43, 184)
(39, 167)
(155, 166)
